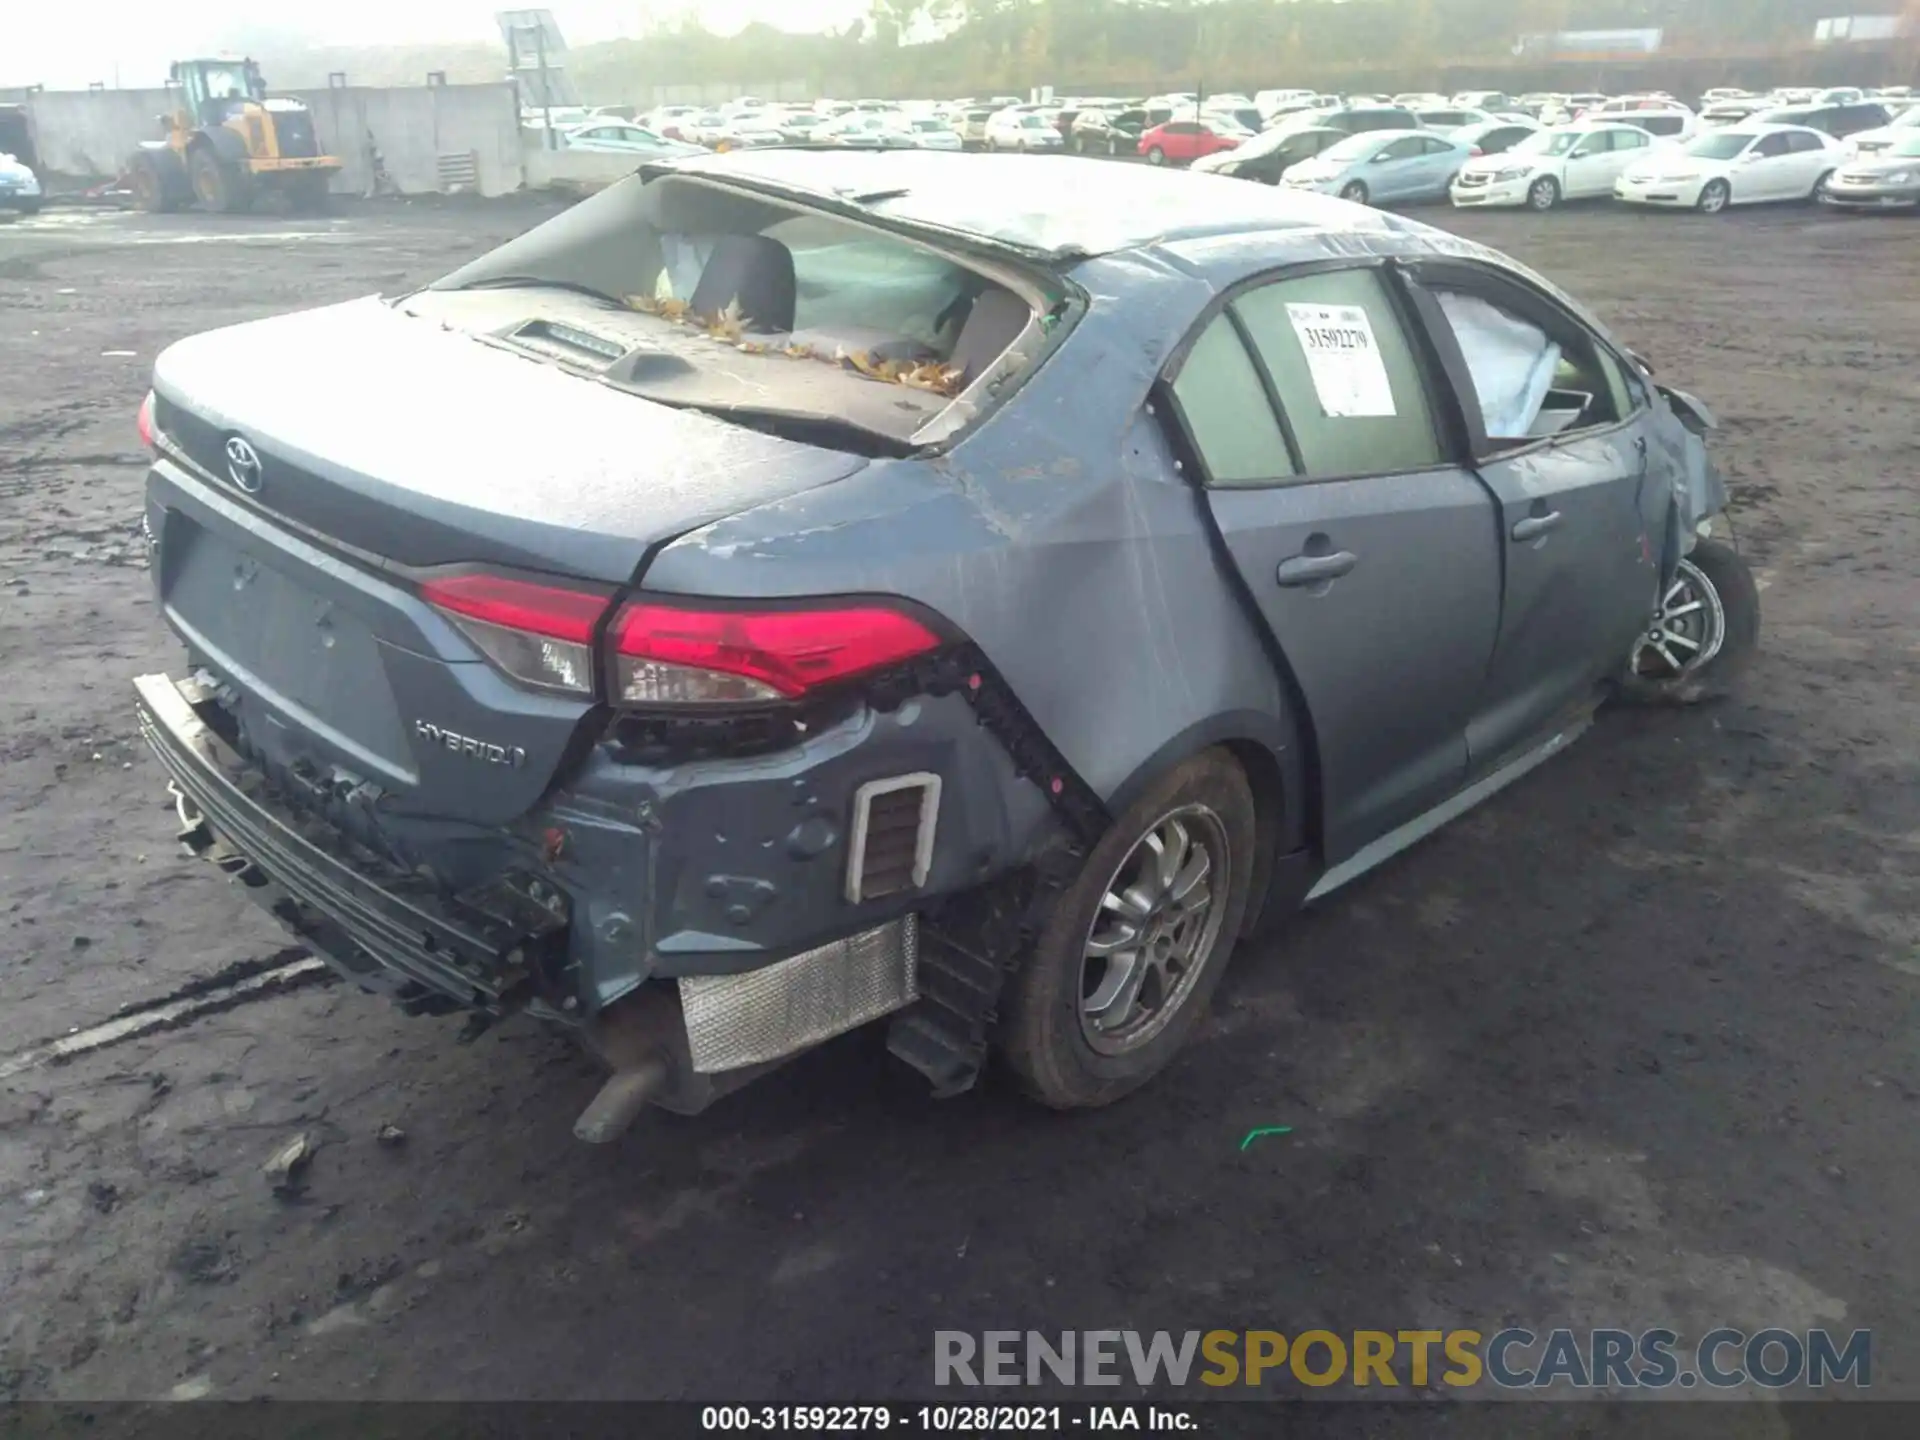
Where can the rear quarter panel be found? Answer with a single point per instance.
(1060, 536)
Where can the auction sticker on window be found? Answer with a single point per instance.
(1348, 372)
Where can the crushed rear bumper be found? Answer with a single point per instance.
(373, 925)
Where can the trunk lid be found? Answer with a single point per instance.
(412, 447)
(424, 445)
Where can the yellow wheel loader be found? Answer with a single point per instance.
(226, 143)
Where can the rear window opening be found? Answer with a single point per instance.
(764, 312)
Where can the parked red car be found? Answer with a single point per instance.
(1179, 141)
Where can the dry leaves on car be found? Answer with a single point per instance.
(730, 326)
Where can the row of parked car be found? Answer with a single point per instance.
(1476, 148)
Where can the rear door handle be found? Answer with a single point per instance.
(1534, 526)
(1313, 569)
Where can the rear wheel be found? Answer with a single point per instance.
(1714, 197)
(1132, 950)
(1356, 191)
(1820, 186)
(1543, 194)
(216, 188)
(1706, 628)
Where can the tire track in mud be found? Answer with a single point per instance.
(240, 983)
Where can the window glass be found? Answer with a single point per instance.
(1345, 372)
(1803, 140)
(1629, 140)
(1532, 379)
(1226, 410)
(1771, 145)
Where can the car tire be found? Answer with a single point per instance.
(1053, 1038)
(1715, 196)
(1723, 632)
(1356, 191)
(1156, 156)
(1819, 191)
(1543, 194)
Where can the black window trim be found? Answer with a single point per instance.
(1451, 424)
(1491, 283)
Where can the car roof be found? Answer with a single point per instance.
(1053, 204)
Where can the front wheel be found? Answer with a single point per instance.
(1706, 628)
(1543, 194)
(1131, 951)
(1156, 156)
(1714, 197)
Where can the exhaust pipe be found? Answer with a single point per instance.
(620, 1101)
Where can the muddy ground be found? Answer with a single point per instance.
(1632, 1045)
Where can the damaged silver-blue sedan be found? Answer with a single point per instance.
(792, 590)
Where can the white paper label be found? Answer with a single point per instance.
(1347, 370)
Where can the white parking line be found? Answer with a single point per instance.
(161, 1017)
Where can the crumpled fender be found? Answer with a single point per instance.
(1702, 491)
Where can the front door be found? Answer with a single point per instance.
(1367, 549)
(1561, 441)
(1768, 170)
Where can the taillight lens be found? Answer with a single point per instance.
(541, 635)
(669, 655)
(144, 423)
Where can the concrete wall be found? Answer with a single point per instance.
(91, 133)
(580, 170)
(413, 127)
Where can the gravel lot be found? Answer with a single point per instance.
(1632, 1045)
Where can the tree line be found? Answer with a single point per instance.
(1131, 46)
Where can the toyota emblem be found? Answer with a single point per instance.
(243, 465)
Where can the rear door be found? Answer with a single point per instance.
(1368, 549)
(1560, 438)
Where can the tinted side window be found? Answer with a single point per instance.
(1345, 371)
(1801, 141)
(1226, 411)
(1770, 145)
(1629, 140)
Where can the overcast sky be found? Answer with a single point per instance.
(68, 44)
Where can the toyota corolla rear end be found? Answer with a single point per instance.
(434, 721)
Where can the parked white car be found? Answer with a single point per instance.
(1741, 165)
(614, 137)
(1878, 142)
(865, 130)
(1568, 162)
(19, 186)
(1023, 130)
(931, 132)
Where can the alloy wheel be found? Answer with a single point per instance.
(1687, 630)
(1157, 925)
(1713, 199)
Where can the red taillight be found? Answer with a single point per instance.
(540, 635)
(667, 655)
(144, 422)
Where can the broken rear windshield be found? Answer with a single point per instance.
(691, 293)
